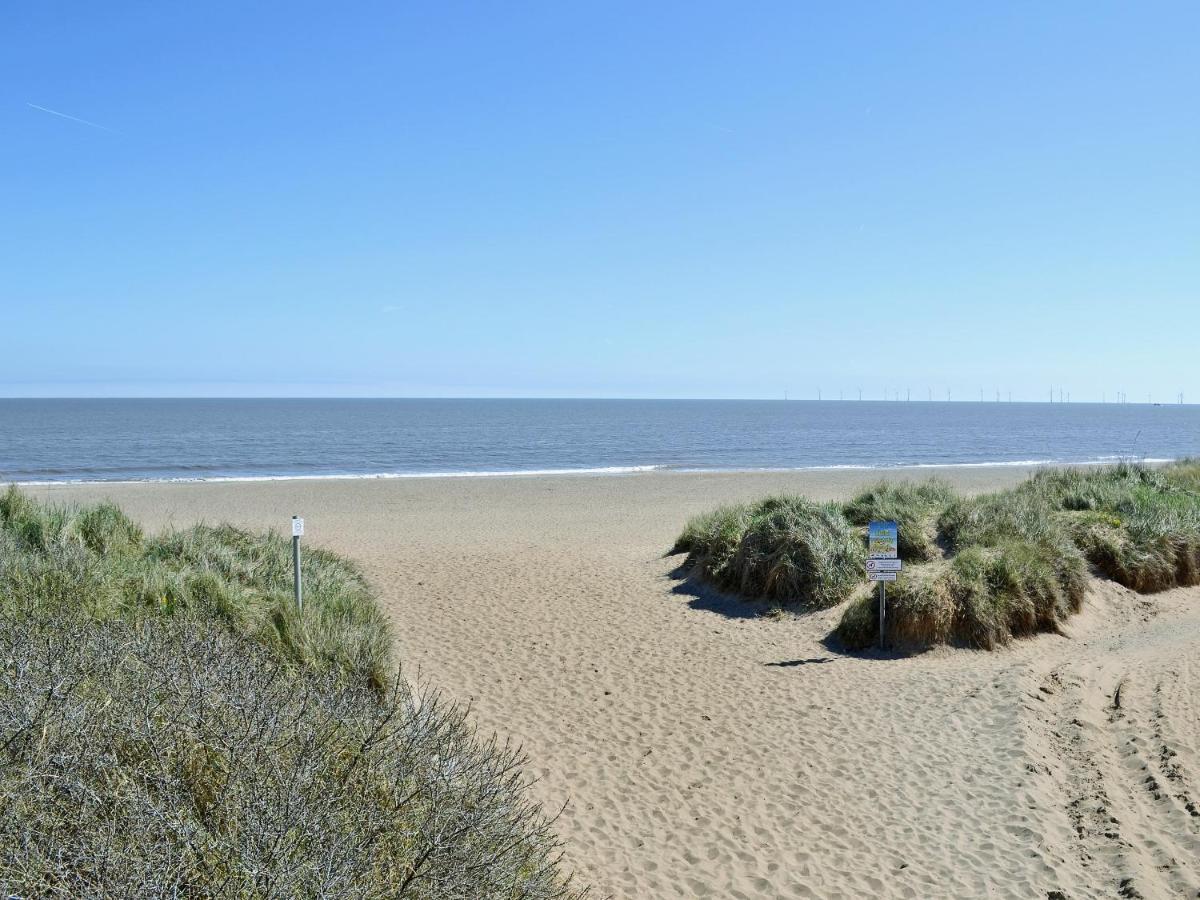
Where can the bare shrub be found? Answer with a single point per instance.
(178, 759)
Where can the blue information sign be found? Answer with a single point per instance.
(882, 540)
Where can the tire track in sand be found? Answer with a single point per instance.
(1117, 732)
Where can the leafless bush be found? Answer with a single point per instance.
(178, 759)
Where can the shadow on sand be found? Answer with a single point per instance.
(831, 643)
(706, 597)
(790, 663)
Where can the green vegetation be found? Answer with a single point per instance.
(1139, 526)
(981, 596)
(784, 549)
(169, 726)
(984, 569)
(913, 506)
(1185, 474)
(96, 562)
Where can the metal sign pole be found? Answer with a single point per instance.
(882, 610)
(297, 530)
(883, 564)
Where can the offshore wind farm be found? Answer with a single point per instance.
(1056, 395)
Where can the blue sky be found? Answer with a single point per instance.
(600, 199)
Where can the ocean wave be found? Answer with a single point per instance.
(350, 476)
(596, 471)
(891, 467)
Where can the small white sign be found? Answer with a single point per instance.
(297, 526)
(884, 565)
(881, 576)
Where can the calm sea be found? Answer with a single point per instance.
(120, 440)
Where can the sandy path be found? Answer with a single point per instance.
(703, 752)
(1113, 738)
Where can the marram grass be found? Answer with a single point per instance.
(785, 549)
(1017, 559)
(979, 571)
(96, 562)
(913, 505)
(980, 597)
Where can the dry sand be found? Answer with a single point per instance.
(702, 751)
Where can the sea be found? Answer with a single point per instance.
(65, 440)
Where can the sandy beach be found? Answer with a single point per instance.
(699, 750)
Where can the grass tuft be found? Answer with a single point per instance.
(785, 549)
(96, 560)
(980, 570)
(915, 508)
(1018, 557)
(980, 597)
(1139, 526)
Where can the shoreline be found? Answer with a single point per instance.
(598, 472)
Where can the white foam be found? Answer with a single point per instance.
(1020, 463)
(603, 471)
(220, 479)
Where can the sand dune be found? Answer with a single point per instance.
(701, 751)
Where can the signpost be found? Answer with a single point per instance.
(883, 563)
(297, 531)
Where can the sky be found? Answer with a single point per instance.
(600, 199)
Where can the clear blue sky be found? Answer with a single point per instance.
(600, 199)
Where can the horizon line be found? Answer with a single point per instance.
(897, 400)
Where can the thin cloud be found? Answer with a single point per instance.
(55, 112)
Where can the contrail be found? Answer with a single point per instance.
(55, 112)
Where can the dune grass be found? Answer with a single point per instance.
(1184, 474)
(787, 550)
(913, 505)
(171, 726)
(980, 570)
(1139, 526)
(981, 596)
(96, 562)
(1018, 558)
(1010, 569)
